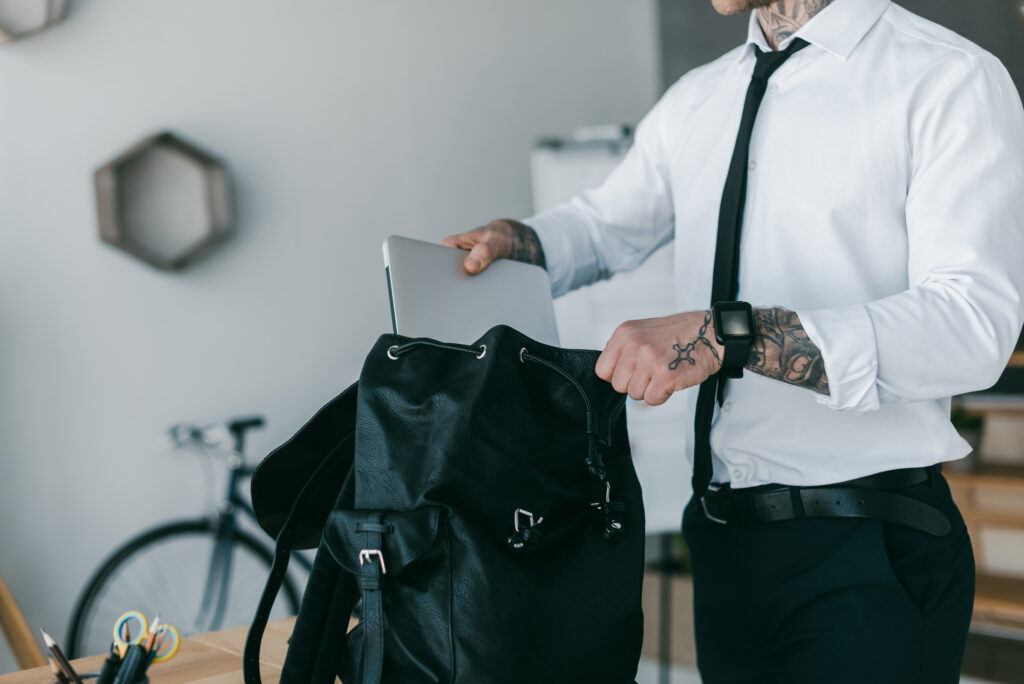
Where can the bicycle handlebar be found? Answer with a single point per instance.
(215, 434)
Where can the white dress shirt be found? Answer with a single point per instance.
(885, 205)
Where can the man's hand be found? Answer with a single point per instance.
(501, 239)
(651, 358)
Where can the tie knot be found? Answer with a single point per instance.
(768, 62)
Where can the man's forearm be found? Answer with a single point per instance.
(523, 243)
(783, 351)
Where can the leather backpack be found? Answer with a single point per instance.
(479, 503)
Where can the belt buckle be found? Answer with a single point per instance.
(704, 505)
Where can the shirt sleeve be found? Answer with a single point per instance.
(616, 226)
(953, 330)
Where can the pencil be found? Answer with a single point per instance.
(152, 634)
(60, 676)
(58, 655)
(156, 648)
(122, 648)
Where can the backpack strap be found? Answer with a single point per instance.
(371, 572)
(317, 643)
(324, 475)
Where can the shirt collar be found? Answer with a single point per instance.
(837, 29)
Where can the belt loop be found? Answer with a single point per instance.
(798, 504)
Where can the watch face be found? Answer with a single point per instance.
(734, 324)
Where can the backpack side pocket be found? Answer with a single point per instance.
(401, 562)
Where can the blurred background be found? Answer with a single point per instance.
(338, 123)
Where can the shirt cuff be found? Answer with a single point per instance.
(846, 338)
(556, 241)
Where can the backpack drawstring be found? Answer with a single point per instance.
(612, 512)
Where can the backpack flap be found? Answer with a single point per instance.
(277, 481)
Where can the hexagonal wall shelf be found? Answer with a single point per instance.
(164, 201)
(21, 18)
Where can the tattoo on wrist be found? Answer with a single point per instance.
(782, 350)
(523, 243)
(686, 353)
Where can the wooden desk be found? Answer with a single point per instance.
(213, 658)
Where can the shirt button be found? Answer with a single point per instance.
(773, 87)
(737, 474)
(752, 165)
(727, 405)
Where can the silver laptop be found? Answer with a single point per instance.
(432, 296)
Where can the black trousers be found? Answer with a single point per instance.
(830, 599)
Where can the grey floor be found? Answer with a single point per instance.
(648, 674)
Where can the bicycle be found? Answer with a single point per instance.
(204, 573)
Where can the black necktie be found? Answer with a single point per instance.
(725, 281)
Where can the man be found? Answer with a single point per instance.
(872, 216)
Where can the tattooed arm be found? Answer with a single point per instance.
(783, 351)
(501, 239)
(654, 357)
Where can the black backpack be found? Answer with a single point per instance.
(481, 502)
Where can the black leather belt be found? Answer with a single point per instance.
(866, 497)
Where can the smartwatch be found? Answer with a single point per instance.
(734, 329)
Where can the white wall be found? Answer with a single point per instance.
(342, 122)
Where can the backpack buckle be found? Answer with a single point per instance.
(367, 555)
(524, 534)
(520, 513)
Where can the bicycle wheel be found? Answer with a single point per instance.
(164, 570)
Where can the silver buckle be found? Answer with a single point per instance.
(704, 505)
(529, 517)
(366, 556)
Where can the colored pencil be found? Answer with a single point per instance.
(151, 637)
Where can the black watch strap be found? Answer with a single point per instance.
(736, 354)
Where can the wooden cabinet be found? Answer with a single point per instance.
(992, 504)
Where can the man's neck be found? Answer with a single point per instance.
(783, 18)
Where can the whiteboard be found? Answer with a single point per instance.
(660, 436)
